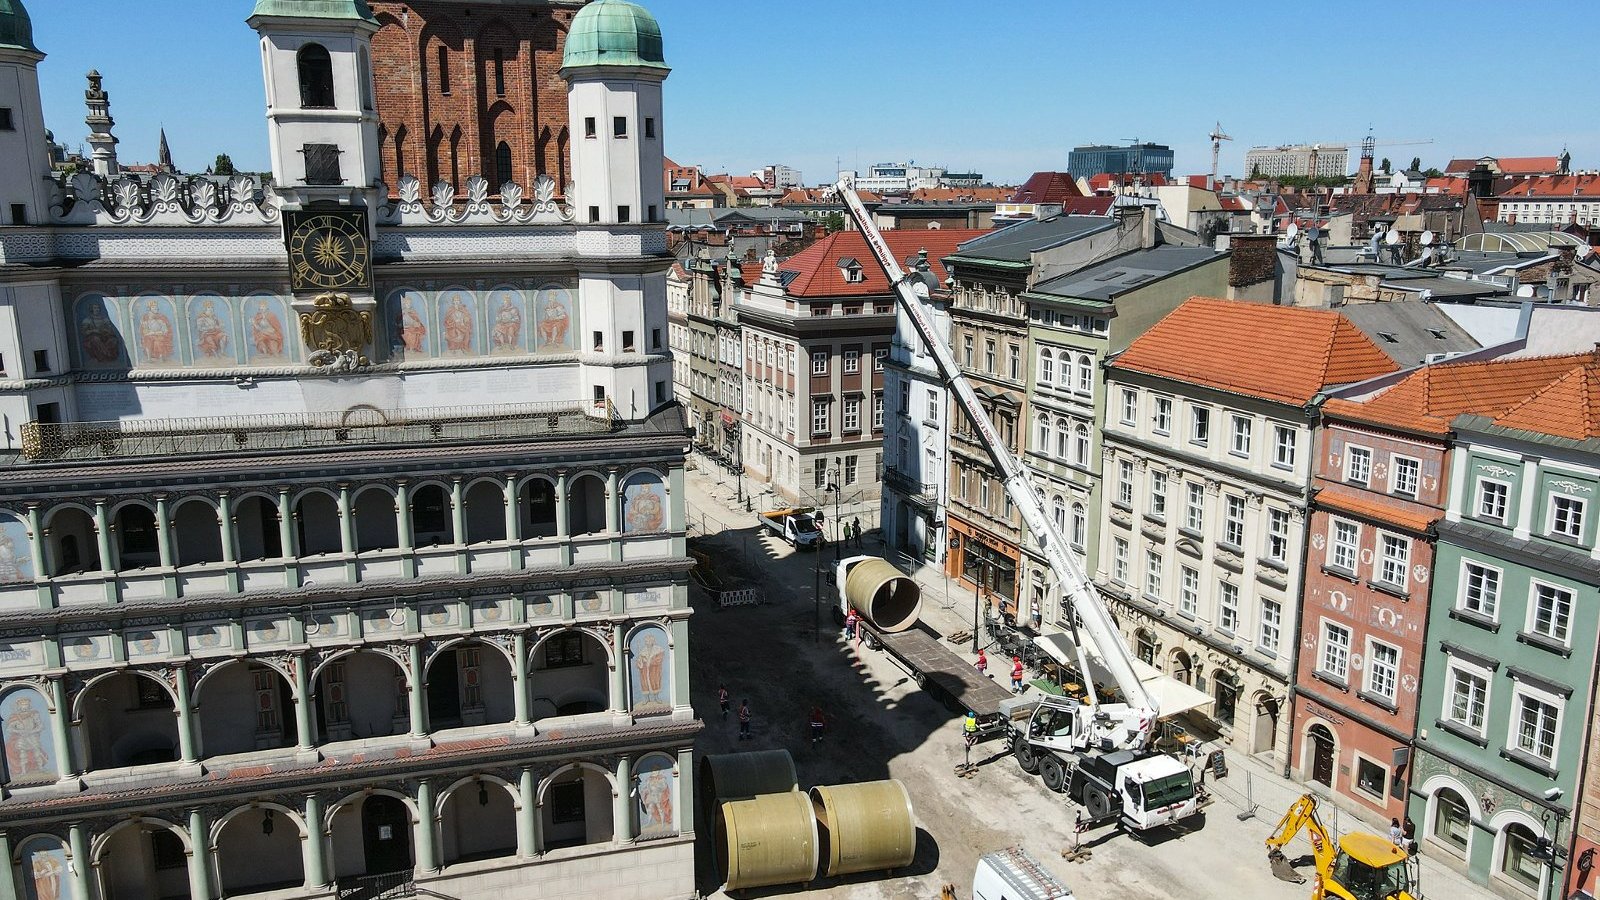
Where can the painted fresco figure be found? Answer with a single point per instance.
(648, 662)
(98, 336)
(457, 327)
(266, 332)
(211, 338)
(46, 873)
(655, 798)
(413, 332)
(155, 333)
(553, 324)
(24, 728)
(645, 511)
(507, 331)
(12, 567)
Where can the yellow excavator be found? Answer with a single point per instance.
(1362, 867)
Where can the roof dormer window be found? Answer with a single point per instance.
(851, 270)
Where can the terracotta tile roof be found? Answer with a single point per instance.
(817, 267)
(1277, 353)
(1357, 503)
(1427, 399)
(1047, 187)
(1569, 407)
(1555, 186)
(1087, 206)
(966, 195)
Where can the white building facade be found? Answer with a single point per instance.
(1297, 161)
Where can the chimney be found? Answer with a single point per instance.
(1253, 262)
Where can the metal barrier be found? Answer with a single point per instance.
(383, 886)
(741, 597)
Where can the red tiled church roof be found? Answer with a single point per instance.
(817, 267)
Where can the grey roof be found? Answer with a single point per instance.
(1016, 243)
(724, 217)
(1409, 330)
(1128, 272)
(1440, 287)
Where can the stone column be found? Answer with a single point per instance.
(200, 857)
(164, 533)
(563, 505)
(78, 871)
(619, 668)
(286, 530)
(185, 713)
(613, 502)
(402, 513)
(528, 815)
(622, 803)
(37, 542)
(58, 728)
(458, 511)
(304, 720)
(311, 849)
(102, 536)
(225, 524)
(519, 677)
(427, 851)
(419, 695)
(8, 881)
(513, 513)
(347, 522)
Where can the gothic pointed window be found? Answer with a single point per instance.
(316, 77)
(502, 164)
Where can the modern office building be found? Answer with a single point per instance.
(1138, 158)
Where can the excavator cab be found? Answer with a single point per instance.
(1369, 867)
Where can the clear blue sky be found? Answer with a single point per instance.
(1005, 88)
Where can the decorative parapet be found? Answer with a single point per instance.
(441, 206)
(88, 199)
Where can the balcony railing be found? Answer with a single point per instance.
(295, 431)
(902, 483)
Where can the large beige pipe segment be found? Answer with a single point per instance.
(740, 776)
(889, 600)
(864, 827)
(767, 840)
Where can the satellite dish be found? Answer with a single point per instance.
(1585, 251)
(1427, 238)
(1525, 291)
(1315, 234)
(1293, 231)
(1392, 237)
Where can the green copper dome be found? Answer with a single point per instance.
(16, 29)
(613, 33)
(313, 9)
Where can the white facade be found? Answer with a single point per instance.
(1202, 547)
(23, 146)
(916, 442)
(1294, 161)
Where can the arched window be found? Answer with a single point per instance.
(1066, 371)
(1519, 855)
(502, 164)
(1062, 432)
(1082, 449)
(1044, 435)
(1085, 374)
(1080, 525)
(1452, 819)
(1061, 515)
(1047, 366)
(316, 77)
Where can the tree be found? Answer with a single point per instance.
(1431, 172)
(1416, 163)
(1384, 166)
(834, 221)
(223, 165)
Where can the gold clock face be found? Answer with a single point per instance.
(329, 251)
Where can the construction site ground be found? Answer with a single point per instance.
(786, 655)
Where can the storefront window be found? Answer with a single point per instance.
(985, 566)
(1518, 859)
(1227, 694)
(1451, 821)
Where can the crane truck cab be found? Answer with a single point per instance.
(1360, 866)
(1141, 789)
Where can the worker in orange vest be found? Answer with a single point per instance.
(1016, 674)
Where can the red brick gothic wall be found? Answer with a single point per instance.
(454, 80)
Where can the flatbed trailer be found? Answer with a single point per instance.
(942, 672)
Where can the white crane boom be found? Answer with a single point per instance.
(1121, 725)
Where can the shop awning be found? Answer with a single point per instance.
(1172, 696)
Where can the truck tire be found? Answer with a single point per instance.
(1050, 769)
(1096, 802)
(1023, 751)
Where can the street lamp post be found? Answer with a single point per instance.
(838, 526)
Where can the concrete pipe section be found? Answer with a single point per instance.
(768, 840)
(864, 827)
(741, 776)
(889, 600)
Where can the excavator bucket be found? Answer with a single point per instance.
(1281, 869)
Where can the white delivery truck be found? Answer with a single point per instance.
(1013, 874)
(798, 525)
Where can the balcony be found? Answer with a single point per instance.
(133, 438)
(922, 493)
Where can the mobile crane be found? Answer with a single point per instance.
(1361, 867)
(1096, 751)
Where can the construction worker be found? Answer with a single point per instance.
(1016, 674)
(851, 620)
(969, 727)
(982, 663)
(744, 720)
(722, 699)
(818, 723)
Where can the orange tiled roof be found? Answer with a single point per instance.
(1427, 399)
(1555, 186)
(965, 195)
(1278, 353)
(817, 267)
(1357, 503)
(1568, 407)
